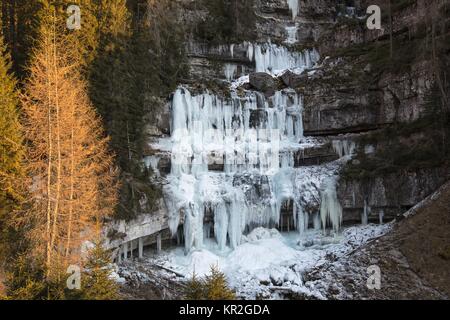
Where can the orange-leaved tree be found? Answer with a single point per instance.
(72, 179)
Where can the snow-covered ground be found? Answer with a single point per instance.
(267, 264)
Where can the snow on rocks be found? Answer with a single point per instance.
(261, 233)
(269, 265)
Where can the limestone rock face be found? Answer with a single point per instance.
(348, 98)
(390, 194)
(293, 80)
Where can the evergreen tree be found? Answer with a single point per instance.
(96, 281)
(111, 81)
(140, 57)
(213, 287)
(195, 289)
(217, 287)
(24, 279)
(19, 27)
(11, 155)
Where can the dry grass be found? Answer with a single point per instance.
(424, 240)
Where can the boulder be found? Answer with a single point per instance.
(263, 82)
(292, 79)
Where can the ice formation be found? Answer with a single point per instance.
(252, 140)
(233, 160)
(344, 148)
(366, 213)
(330, 208)
(294, 7)
(230, 71)
(152, 162)
(275, 59)
(381, 216)
(291, 32)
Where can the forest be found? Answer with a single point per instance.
(72, 103)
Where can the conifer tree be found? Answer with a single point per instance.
(195, 289)
(72, 180)
(84, 41)
(19, 21)
(11, 155)
(122, 81)
(217, 287)
(213, 287)
(96, 281)
(111, 79)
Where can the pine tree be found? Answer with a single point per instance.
(213, 287)
(195, 289)
(217, 287)
(96, 281)
(110, 80)
(72, 181)
(125, 75)
(11, 149)
(11, 155)
(19, 21)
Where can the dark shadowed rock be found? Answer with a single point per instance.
(263, 82)
(292, 79)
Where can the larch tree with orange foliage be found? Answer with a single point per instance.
(71, 170)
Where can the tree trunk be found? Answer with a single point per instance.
(49, 168)
(12, 28)
(58, 144)
(391, 43)
(72, 172)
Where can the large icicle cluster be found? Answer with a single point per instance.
(233, 159)
(241, 134)
(330, 208)
(344, 148)
(275, 59)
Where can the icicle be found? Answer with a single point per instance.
(366, 213)
(344, 148)
(275, 59)
(250, 51)
(294, 7)
(381, 216)
(152, 163)
(230, 71)
(300, 219)
(330, 208)
(221, 225)
(316, 222)
(236, 225)
(291, 34)
(193, 227)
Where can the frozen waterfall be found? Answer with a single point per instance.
(233, 164)
(275, 59)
